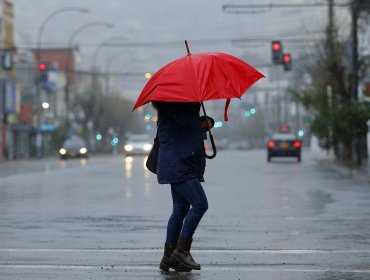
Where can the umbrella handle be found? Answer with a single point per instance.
(213, 146)
(210, 137)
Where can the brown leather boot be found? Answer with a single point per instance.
(167, 263)
(182, 254)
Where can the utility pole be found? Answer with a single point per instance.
(330, 30)
(332, 62)
(355, 10)
(360, 143)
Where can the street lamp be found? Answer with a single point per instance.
(45, 105)
(109, 63)
(38, 56)
(103, 44)
(70, 46)
(48, 18)
(85, 26)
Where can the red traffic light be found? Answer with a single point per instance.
(276, 46)
(277, 52)
(42, 66)
(287, 58)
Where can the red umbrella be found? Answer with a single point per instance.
(200, 77)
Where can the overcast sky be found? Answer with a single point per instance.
(202, 22)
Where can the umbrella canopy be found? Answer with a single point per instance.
(200, 77)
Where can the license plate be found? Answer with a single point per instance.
(284, 145)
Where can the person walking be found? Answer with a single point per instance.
(181, 163)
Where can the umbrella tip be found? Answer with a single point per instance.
(187, 47)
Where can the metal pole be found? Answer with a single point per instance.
(355, 64)
(359, 143)
(38, 60)
(104, 44)
(68, 71)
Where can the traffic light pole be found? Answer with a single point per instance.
(37, 107)
(66, 90)
(355, 64)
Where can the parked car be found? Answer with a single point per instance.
(284, 145)
(73, 148)
(138, 144)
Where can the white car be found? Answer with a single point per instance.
(138, 144)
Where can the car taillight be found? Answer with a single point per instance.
(271, 144)
(297, 144)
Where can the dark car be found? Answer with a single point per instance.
(284, 145)
(73, 148)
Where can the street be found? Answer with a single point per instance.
(105, 218)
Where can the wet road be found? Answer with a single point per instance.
(105, 218)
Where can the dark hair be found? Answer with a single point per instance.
(155, 105)
(179, 106)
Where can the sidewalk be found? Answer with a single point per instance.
(361, 174)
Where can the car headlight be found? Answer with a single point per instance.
(148, 147)
(128, 148)
(83, 151)
(62, 151)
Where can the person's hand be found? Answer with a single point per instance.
(206, 122)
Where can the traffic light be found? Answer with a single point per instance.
(98, 137)
(43, 72)
(218, 124)
(287, 62)
(114, 141)
(277, 52)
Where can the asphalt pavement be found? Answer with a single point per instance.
(105, 218)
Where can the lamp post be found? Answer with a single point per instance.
(70, 46)
(103, 44)
(48, 18)
(38, 58)
(95, 55)
(109, 63)
(85, 26)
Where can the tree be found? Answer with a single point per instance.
(338, 120)
(107, 113)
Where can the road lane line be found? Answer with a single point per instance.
(263, 268)
(327, 219)
(207, 251)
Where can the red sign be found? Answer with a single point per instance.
(284, 128)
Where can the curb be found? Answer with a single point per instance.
(356, 174)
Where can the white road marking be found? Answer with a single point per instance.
(205, 251)
(327, 219)
(263, 268)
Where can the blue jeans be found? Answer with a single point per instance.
(184, 221)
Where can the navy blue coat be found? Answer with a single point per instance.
(181, 142)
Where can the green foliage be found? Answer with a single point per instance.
(337, 121)
(349, 122)
(109, 112)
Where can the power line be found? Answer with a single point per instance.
(229, 7)
(179, 43)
